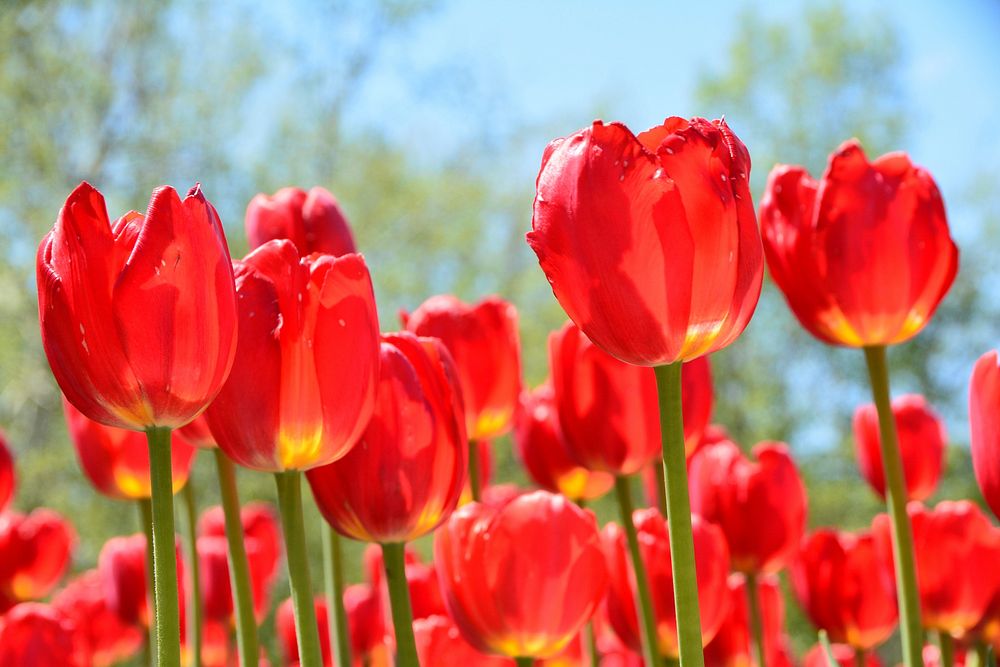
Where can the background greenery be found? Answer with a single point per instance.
(132, 95)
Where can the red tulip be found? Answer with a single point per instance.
(542, 448)
(138, 318)
(712, 559)
(303, 383)
(521, 580)
(956, 550)
(405, 476)
(922, 441)
(863, 256)
(35, 551)
(439, 643)
(608, 410)
(484, 343)
(425, 591)
(845, 588)
(260, 528)
(105, 638)
(122, 568)
(311, 220)
(198, 433)
(365, 619)
(984, 423)
(932, 656)
(760, 506)
(39, 635)
(7, 478)
(731, 646)
(116, 460)
(650, 242)
(284, 627)
(844, 655)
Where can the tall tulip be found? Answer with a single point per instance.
(546, 574)
(406, 474)
(922, 441)
(138, 322)
(864, 257)
(35, 551)
(483, 340)
(984, 423)
(845, 588)
(312, 220)
(8, 479)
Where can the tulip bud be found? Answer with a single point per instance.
(311, 220)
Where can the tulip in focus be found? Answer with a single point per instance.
(732, 644)
(922, 441)
(650, 242)
(711, 556)
(312, 220)
(760, 505)
(521, 580)
(864, 255)
(35, 551)
(984, 424)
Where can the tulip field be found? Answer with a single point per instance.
(277, 364)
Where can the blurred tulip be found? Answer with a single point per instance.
(542, 448)
(138, 318)
(39, 635)
(311, 220)
(732, 644)
(116, 460)
(650, 242)
(35, 551)
(284, 627)
(7, 477)
(956, 551)
(651, 475)
(260, 526)
(405, 476)
(103, 636)
(122, 569)
(365, 619)
(711, 556)
(545, 573)
(439, 643)
(932, 656)
(303, 383)
(844, 654)
(863, 224)
(484, 343)
(760, 506)
(922, 441)
(984, 423)
(608, 410)
(844, 587)
(198, 433)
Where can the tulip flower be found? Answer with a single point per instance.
(7, 477)
(732, 644)
(984, 423)
(845, 656)
(546, 574)
(712, 557)
(864, 257)
(760, 505)
(116, 460)
(121, 565)
(439, 643)
(260, 530)
(35, 551)
(845, 588)
(311, 220)
(365, 620)
(286, 627)
(922, 441)
(104, 637)
(542, 448)
(956, 549)
(216, 586)
(38, 634)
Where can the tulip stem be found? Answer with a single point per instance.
(661, 487)
(475, 481)
(194, 615)
(146, 519)
(239, 567)
(902, 535)
(168, 628)
(394, 559)
(824, 641)
(590, 640)
(756, 624)
(644, 604)
(668, 385)
(333, 567)
(947, 647)
(290, 507)
(983, 653)
(860, 655)
(524, 661)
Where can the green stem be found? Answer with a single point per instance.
(590, 641)
(146, 520)
(947, 647)
(168, 628)
(194, 607)
(475, 481)
(644, 604)
(756, 624)
(824, 641)
(668, 384)
(239, 567)
(982, 653)
(860, 656)
(661, 487)
(290, 506)
(902, 536)
(394, 559)
(333, 566)
(524, 662)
